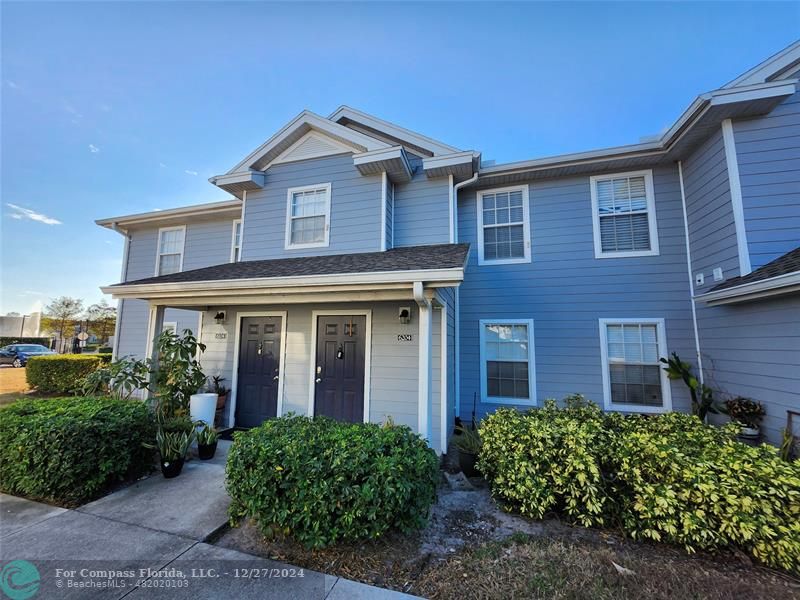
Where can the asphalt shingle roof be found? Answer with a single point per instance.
(788, 263)
(413, 258)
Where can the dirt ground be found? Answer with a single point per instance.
(12, 383)
(472, 549)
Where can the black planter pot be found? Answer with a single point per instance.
(206, 451)
(171, 469)
(466, 460)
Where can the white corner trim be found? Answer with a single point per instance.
(158, 246)
(531, 401)
(241, 236)
(425, 363)
(233, 240)
(384, 200)
(651, 215)
(312, 358)
(452, 211)
(736, 197)
(526, 225)
(663, 352)
(235, 366)
(305, 188)
(444, 400)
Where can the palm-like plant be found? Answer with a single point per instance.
(702, 395)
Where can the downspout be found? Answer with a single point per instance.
(457, 311)
(425, 367)
(123, 277)
(691, 277)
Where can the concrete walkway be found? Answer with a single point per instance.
(150, 540)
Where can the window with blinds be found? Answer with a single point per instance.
(308, 216)
(503, 228)
(170, 250)
(507, 361)
(633, 371)
(624, 217)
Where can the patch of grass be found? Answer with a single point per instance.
(528, 567)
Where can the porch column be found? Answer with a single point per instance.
(425, 363)
(154, 326)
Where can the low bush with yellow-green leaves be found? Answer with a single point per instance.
(667, 478)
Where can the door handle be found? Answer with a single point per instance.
(319, 372)
(276, 378)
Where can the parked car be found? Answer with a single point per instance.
(18, 354)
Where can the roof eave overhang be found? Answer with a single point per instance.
(393, 161)
(461, 165)
(704, 114)
(276, 286)
(746, 292)
(171, 215)
(239, 183)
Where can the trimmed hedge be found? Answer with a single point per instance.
(105, 357)
(665, 478)
(321, 481)
(70, 450)
(60, 373)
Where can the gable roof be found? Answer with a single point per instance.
(777, 65)
(783, 265)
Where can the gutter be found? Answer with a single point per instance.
(774, 286)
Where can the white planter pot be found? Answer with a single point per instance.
(750, 432)
(202, 407)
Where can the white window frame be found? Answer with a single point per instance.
(526, 226)
(663, 352)
(307, 188)
(158, 246)
(531, 401)
(233, 240)
(651, 215)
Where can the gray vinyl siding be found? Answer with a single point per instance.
(712, 233)
(421, 209)
(768, 152)
(565, 290)
(753, 350)
(390, 215)
(355, 209)
(207, 243)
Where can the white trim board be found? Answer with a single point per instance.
(736, 197)
(663, 352)
(444, 401)
(652, 222)
(233, 240)
(235, 366)
(288, 245)
(526, 225)
(384, 200)
(531, 401)
(312, 360)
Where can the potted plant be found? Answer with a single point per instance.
(468, 442)
(178, 377)
(748, 414)
(207, 438)
(220, 390)
(172, 446)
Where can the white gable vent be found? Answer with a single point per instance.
(312, 145)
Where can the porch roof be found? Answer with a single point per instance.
(394, 270)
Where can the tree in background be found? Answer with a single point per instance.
(60, 315)
(102, 319)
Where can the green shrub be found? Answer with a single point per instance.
(69, 450)
(105, 357)
(666, 478)
(105, 350)
(60, 373)
(321, 481)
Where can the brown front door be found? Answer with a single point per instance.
(339, 376)
(258, 376)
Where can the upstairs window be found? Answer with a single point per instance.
(308, 216)
(623, 207)
(236, 241)
(170, 250)
(503, 226)
(633, 376)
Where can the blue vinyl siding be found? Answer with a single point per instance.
(768, 152)
(355, 209)
(421, 209)
(565, 290)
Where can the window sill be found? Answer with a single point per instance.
(626, 254)
(511, 401)
(634, 408)
(304, 246)
(503, 261)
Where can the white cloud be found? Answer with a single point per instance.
(93, 149)
(12, 84)
(156, 209)
(188, 172)
(27, 213)
(162, 165)
(32, 293)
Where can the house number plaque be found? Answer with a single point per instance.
(405, 337)
(220, 336)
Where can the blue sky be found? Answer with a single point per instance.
(112, 108)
